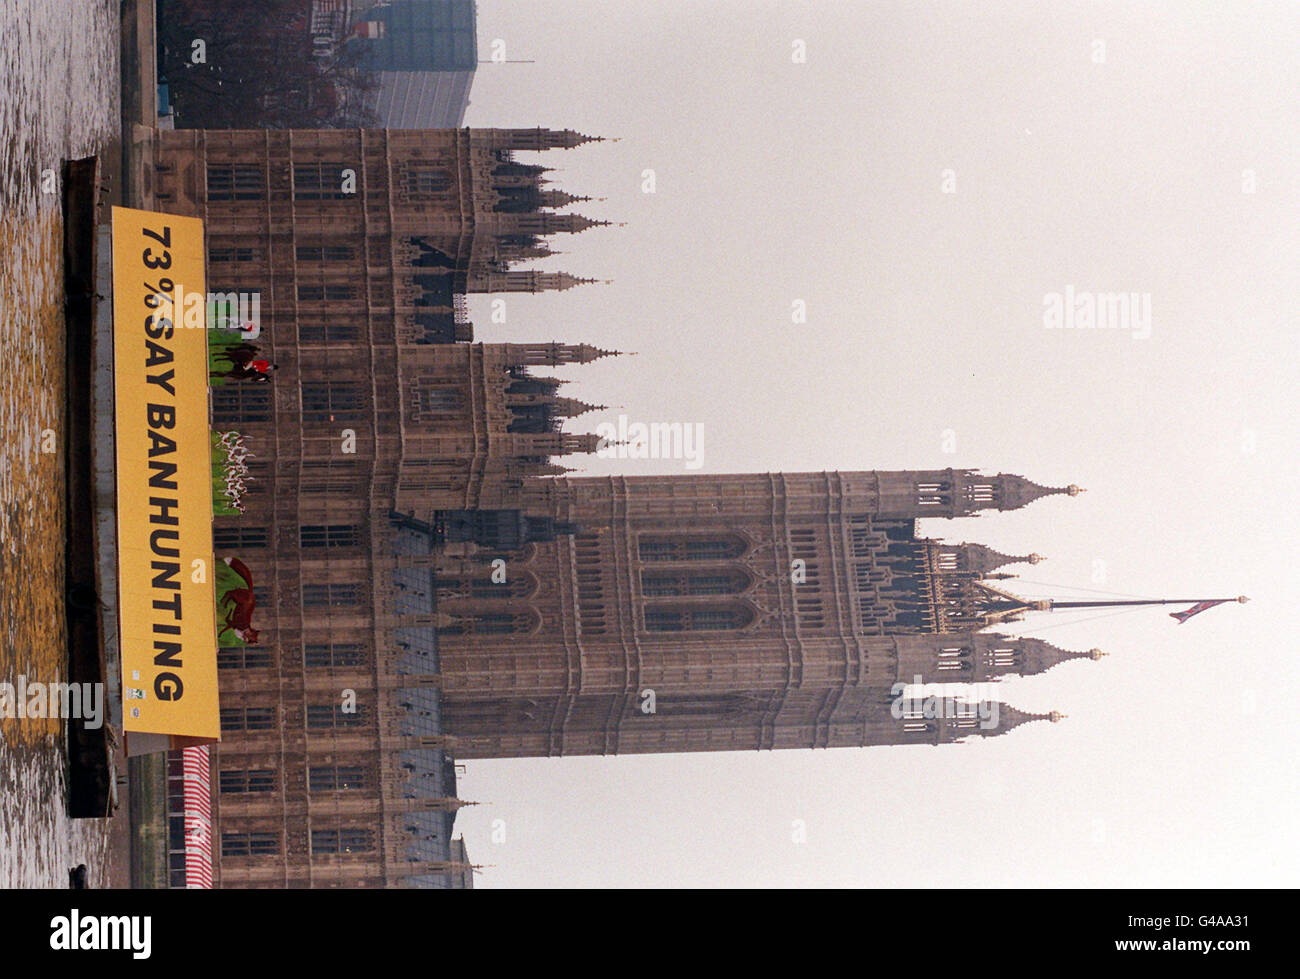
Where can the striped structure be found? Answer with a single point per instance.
(198, 818)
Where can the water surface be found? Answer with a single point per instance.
(58, 99)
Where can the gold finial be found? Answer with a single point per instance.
(1056, 717)
(1035, 558)
(1097, 653)
(1075, 490)
(1242, 599)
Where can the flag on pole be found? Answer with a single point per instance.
(1195, 609)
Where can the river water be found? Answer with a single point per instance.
(59, 99)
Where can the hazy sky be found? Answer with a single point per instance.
(1125, 166)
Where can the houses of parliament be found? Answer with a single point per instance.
(415, 542)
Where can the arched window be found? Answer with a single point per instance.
(954, 659)
(424, 182)
(324, 181)
(701, 705)
(491, 624)
(667, 584)
(518, 585)
(1002, 656)
(692, 547)
(704, 618)
(241, 403)
(428, 402)
(344, 840)
(333, 401)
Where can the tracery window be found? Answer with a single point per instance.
(519, 585)
(334, 654)
(234, 182)
(249, 844)
(348, 840)
(322, 182)
(691, 547)
(703, 705)
(234, 781)
(322, 717)
(490, 624)
(247, 719)
(424, 182)
(241, 403)
(331, 594)
(337, 778)
(659, 584)
(332, 401)
(704, 618)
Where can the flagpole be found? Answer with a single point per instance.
(1052, 604)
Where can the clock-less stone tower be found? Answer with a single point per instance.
(702, 612)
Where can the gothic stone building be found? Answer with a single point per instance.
(410, 554)
(359, 247)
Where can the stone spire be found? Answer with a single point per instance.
(573, 223)
(587, 353)
(1016, 491)
(1031, 656)
(537, 139)
(586, 442)
(979, 558)
(572, 408)
(569, 138)
(1009, 717)
(551, 354)
(558, 198)
(530, 280)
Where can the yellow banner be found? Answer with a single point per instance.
(164, 478)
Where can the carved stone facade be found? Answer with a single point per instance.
(703, 613)
(334, 768)
(424, 594)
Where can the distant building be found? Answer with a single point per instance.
(425, 53)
